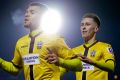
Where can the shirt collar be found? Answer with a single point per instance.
(35, 32)
(89, 44)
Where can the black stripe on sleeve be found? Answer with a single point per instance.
(17, 66)
(109, 60)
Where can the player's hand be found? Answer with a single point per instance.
(52, 58)
(85, 59)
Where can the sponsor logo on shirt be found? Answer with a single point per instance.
(87, 66)
(24, 46)
(31, 59)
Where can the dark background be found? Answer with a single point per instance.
(11, 27)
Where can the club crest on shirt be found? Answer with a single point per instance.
(39, 45)
(110, 50)
(92, 54)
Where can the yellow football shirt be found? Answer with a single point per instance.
(30, 53)
(96, 51)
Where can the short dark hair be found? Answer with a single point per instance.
(43, 7)
(94, 17)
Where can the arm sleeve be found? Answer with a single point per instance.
(17, 60)
(63, 50)
(65, 54)
(59, 47)
(71, 64)
(107, 66)
(14, 66)
(108, 59)
(9, 67)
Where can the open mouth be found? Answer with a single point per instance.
(26, 19)
(84, 32)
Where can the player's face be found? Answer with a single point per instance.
(88, 28)
(32, 17)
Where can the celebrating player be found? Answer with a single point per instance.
(31, 50)
(98, 58)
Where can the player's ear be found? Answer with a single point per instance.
(96, 29)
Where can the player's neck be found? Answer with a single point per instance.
(90, 40)
(34, 29)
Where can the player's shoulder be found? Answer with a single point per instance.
(52, 36)
(23, 39)
(104, 44)
(80, 46)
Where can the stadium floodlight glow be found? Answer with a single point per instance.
(51, 21)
